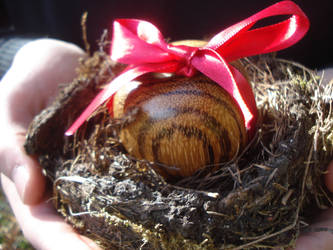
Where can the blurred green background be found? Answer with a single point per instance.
(11, 236)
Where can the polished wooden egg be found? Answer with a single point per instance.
(182, 123)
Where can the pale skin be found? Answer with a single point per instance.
(27, 88)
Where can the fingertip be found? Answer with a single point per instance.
(42, 226)
(30, 182)
(90, 243)
(329, 177)
(35, 188)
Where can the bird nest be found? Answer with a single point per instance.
(263, 198)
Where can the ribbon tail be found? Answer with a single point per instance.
(230, 79)
(104, 95)
(128, 75)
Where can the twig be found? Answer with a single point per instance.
(84, 32)
(290, 227)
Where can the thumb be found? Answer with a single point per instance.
(22, 169)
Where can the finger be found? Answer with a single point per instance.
(320, 238)
(22, 169)
(329, 177)
(33, 80)
(42, 226)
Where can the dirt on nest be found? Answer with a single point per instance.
(263, 198)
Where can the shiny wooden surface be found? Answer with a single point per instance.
(185, 123)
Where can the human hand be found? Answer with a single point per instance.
(322, 240)
(27, 88)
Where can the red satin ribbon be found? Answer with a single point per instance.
(141, 45)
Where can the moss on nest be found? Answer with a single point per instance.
(261, 199)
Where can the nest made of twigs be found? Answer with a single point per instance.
(261, 199)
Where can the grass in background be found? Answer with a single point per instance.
(11, 236)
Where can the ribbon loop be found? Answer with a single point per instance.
(131, 36)
(240, 41)
(141, 45)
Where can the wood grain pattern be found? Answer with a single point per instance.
(186, 123)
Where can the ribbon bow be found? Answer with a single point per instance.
(141, 45)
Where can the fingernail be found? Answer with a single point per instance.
(20, 178)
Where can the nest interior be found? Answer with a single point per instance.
(263, 198)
